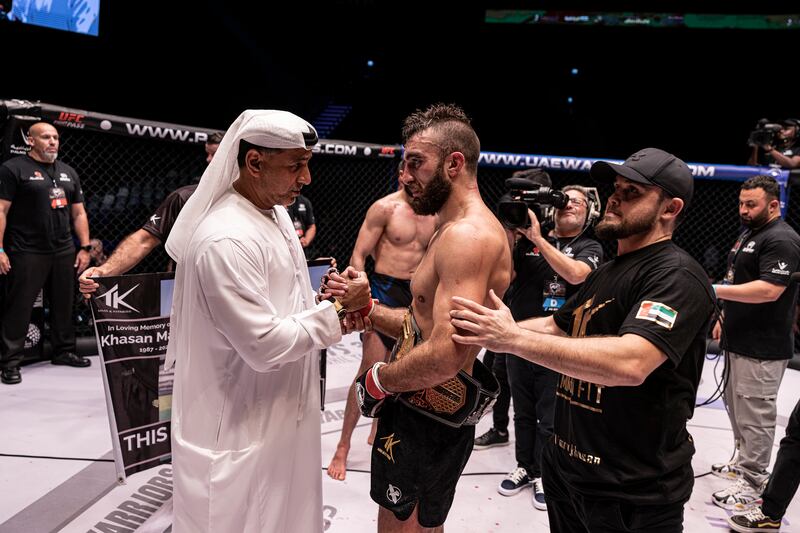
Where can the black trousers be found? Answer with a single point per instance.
(533, 389)
(30, 273)
(572, 512)
(496, 362)
(785, 479)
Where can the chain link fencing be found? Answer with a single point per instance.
(126, 173)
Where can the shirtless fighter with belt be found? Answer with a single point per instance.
(432, 393)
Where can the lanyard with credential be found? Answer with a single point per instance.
(734, 254)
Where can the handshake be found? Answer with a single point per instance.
(350, 294)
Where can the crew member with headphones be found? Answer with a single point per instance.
(548, 270)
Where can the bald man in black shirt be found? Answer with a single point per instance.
(39, 197)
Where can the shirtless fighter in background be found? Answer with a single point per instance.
(396, 238)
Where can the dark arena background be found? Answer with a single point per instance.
(548, 85)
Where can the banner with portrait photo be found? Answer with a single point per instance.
(131, 320)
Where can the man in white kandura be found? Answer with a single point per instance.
(245, 335)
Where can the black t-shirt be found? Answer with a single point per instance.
(631, 443)
(537, 289)
(302, 215)
(33, 225)
(763, 331)
(160, 223)
(790, 151)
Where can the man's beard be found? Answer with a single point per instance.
(607, 230)
(49, 157)
(432, 198)
(756, 221)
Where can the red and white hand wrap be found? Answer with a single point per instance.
(367, 310)
(370, 394)
(373, 385)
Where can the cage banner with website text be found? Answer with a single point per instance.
(128, 169)
(131, 320)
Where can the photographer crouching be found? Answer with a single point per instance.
(775, 144)
(549, 266)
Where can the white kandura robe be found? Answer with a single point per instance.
(246, 407)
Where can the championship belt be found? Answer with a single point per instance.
(461, 400)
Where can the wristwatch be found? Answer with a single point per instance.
(341, 312)
(87, 248)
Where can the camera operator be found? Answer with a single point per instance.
(776, 144)
(497, 435)
(548, 268)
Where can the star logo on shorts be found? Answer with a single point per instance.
(388, 447)
(393, 494)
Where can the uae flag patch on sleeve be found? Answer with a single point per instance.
(661, 314)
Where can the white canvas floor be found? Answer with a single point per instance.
(56, 474)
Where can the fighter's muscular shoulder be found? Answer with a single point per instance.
(465, 258)
(462, 257)
(471, 245)
(381, 210)
(401, 223)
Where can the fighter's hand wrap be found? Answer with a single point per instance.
(370, 395)
(369, 308)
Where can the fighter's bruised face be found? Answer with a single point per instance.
(424, 178)
(632, 210)
(433, 195)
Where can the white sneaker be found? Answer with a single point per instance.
(740, 496)
(729, 469)
(538, 494)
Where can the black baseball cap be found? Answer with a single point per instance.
(788, 122)
(650, 166)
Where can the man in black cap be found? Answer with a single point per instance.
(620, 456)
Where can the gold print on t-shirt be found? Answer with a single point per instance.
(582, 318)
(578, 392)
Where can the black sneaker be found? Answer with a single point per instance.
(514, 482)
(70, 359)
(491, 438)
(10, 376)
(753, 521)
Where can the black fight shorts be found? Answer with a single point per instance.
(416, 461)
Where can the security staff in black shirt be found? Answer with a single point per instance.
(38, 198)
(756, 333)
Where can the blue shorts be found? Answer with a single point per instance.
(391, 292)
